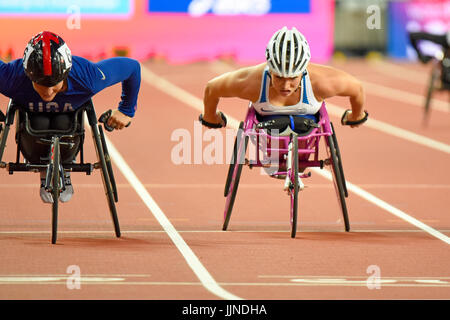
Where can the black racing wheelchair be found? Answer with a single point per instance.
(54, 166)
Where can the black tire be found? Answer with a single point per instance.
(435, 73)
(108, 164)
(337, 180)
(232, 162)
(106, 180)
(338, 154)
(3, 139)
(295, 186)
(236, 172)
(56, 183)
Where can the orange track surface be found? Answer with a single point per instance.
(256, 259)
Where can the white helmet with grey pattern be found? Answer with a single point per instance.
(287, 53)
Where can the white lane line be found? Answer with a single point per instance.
(177, 92)
(191, 100)
(405, 73)
(304, 230)
(287, 276)
(395, 131)
(403, 96)
(194, 263)
(401, 72)
(383, 283)
(386, 206)
(44, 279)
(243, 185)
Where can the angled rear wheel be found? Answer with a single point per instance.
(107, 182)
(338, 180)
(234, 173)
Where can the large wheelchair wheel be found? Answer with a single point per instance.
(234, 173)
(108, 164)
(106, 179)
(435, 74)
(338, 154)
(55, 183)
(293, 188)
(337, 179)
(233, 162)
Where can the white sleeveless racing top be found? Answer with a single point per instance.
(306, 105)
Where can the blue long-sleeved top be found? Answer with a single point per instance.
(84, 81)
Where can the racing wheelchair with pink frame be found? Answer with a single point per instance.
(294, 152)
(54, 165)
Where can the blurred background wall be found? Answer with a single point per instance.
(181, 31)
(177, 30)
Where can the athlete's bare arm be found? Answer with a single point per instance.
(243, 83)
(328, 82)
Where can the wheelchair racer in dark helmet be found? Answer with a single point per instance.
(51, 84)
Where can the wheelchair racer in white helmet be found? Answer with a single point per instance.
(286, 84)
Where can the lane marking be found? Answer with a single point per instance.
(192, 260)
(362, 280)
(245, 284)
(304, 231)
(395, 131)
(404, 73)
(57, 278)
(345, 276)
(46, 279)
(243, 185)
(191, 100)
(403, 96)
(293, 281)
(178, 93)
(395, 70)
(387, 207)
(122, 275)
(332, 282)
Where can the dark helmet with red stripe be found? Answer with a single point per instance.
(47, 59)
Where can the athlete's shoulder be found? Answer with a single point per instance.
(322, 74)
(328, 81)
(80, 62)
(12, 77)
(83, 72)
(255, 70)
(15, 66)
(317, 70)
(248, 74)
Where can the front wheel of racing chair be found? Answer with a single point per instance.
(234, 173)
(292, 167)
(55, 167)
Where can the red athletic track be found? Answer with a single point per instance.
(256, 258)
